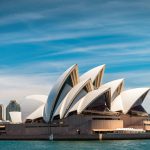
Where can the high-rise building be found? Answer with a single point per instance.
(1, 112)
(13, 106)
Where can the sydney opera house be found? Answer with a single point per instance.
(83, 105)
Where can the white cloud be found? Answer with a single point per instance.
(19, 86)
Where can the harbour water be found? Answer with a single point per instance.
(76, 145)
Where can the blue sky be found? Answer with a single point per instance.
(40, 39)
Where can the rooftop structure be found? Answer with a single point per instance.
(62, 86)
(75, 93)
(130, 101)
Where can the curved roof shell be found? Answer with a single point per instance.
(95, 74)
(91, 97)
(70, 97)
(38, 113)
(88, 99)
(55, 94)
(41, 98)
(116, 87)
(127, 99)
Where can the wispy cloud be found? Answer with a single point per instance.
(28, 38)
(107, 47)
(20, 17)
(58, 22)
(39, 40)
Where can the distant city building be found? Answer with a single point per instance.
(1, 112)
(13, 106)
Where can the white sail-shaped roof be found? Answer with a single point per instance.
(57, 90)
(41, 98)
(38, 113)
(116, 87)
(96, 75)
(57, 111)
(16, 117)
(69, 98)
(88, 99)
(127, 99)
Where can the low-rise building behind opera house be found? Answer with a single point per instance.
(83, 105)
